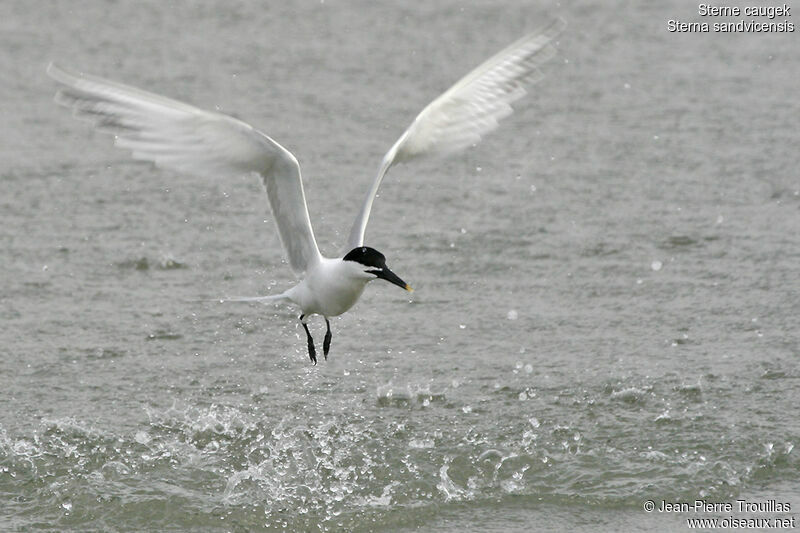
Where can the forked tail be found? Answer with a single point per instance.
(271, 299)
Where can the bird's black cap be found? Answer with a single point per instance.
(366, 256)
(370, 257)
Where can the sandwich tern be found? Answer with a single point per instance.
(181, 137)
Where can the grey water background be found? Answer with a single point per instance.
(607, 288)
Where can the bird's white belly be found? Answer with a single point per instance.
(327, 291)
(335, 299)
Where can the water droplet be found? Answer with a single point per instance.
(422, 443)
(478, 169)
(720, 219)
(533, 188)
(467, 409)
(627, 85)
(523, 396)
(656, 265)
(462, 326)
(534, 421)
(529, 368)
(512, 315)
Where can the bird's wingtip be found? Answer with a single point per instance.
(556, 26)
(53, 70)
(61, 74)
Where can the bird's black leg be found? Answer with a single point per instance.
(326, 344)
(312, 352)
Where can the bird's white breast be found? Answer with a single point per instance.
(329, 288)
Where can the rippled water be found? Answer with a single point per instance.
(607, 288)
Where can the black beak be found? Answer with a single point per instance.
(391, 277)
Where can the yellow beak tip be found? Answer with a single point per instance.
(408, 288)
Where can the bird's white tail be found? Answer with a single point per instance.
(270, 299)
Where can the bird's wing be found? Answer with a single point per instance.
(181, 137)
(467, 111)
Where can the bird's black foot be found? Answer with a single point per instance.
(326, 344)
(312, 352)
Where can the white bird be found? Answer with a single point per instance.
(181, 137)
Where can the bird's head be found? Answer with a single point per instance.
(372, 263)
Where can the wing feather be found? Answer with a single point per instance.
(467, 111)
(181, 137)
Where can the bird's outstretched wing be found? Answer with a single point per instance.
(181, 137)
(467, 111)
